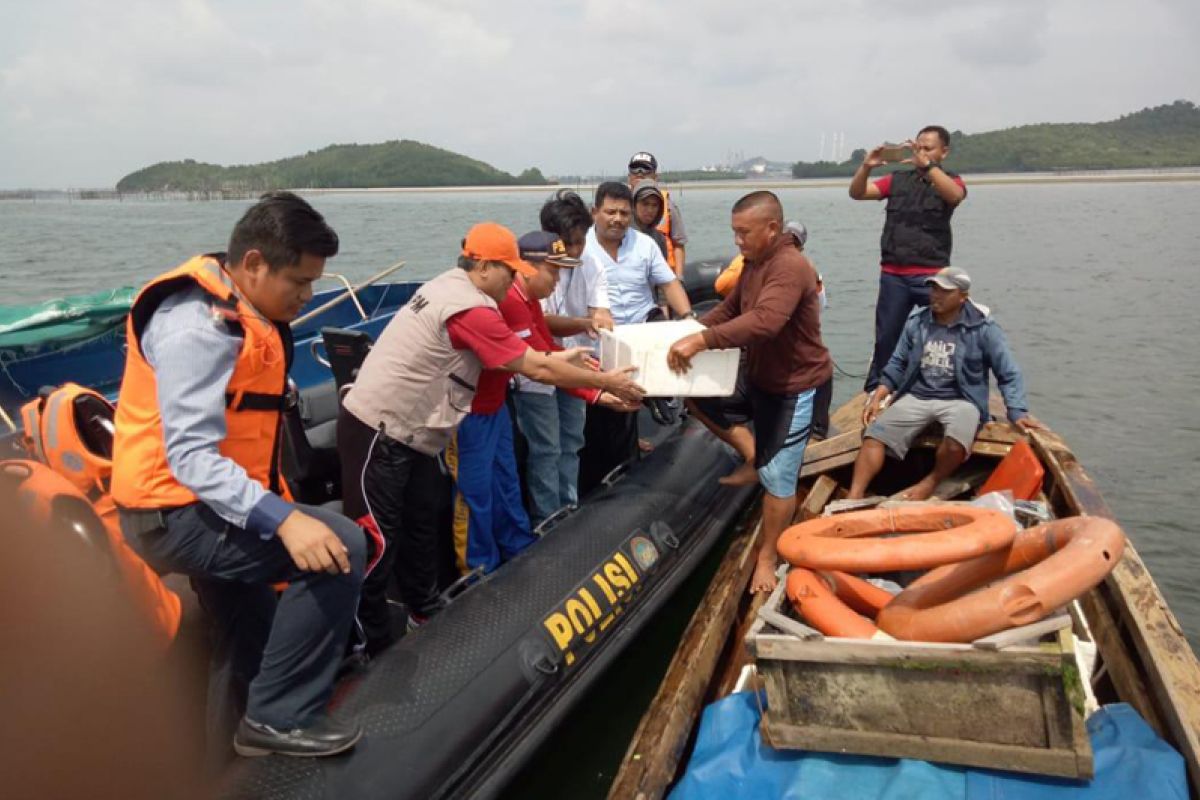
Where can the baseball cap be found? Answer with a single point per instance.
(647, 187)
(491, 241)
(951, 278)
(643, 162)
(798, 230)
(548, 247)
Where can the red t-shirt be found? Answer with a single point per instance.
(482, 331)
(884, 185)
(524, 316)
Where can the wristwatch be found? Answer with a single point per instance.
(932, 164)
(690, 315)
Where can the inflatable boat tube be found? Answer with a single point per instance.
(456, 708)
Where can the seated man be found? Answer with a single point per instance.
(939, 373)
(196, 479)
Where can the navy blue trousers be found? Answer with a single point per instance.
(281, 651)
(898, 294)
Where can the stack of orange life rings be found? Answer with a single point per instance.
(965, 548)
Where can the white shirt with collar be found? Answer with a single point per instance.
(632, 276)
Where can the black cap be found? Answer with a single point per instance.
(546, 246)
(643, 162)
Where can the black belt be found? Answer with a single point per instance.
(256, 401)
(140, 521)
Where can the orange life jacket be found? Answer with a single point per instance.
(49, 498)
(664, 227)
(729, 276)
(70, 430)
(254, 397)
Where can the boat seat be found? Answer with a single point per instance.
(346, 351)
(311, 467)
(310, 446)
(323, 436)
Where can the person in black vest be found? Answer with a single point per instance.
(916, 239)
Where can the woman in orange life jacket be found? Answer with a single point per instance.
(196, 478)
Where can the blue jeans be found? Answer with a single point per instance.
(897, 296)
(490, 523)
(553, 426)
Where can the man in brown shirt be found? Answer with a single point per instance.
(774, 314)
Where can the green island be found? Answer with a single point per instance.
(340, 166)
(1154, 138)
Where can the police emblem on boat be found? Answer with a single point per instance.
(644, 551)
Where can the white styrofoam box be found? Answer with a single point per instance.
(645, 346)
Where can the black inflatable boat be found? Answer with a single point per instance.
(454, 709)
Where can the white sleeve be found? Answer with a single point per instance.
(597, 285)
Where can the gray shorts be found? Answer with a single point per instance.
(900, 422)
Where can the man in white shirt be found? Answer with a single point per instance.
(574, 313)
(579, 305)
(633, 266)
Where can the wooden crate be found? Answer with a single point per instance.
(1018, 708)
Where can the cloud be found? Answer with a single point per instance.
(90, 91)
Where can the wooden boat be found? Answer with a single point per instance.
(1147, 662)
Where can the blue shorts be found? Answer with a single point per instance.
(778, 476)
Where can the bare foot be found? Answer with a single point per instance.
(745, 475)
(764, 579)
(645, 445)
(919, 491)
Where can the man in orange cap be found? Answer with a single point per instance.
(414, 388)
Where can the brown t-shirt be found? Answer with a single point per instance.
(775, 314)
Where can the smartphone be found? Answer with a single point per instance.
(894, 152)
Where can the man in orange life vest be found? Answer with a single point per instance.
(644, 167)
(196, 477)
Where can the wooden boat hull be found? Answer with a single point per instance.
(1148, 662)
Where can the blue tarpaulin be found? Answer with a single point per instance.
(730, 760)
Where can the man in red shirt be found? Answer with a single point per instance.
(412, 391)
(490, 522)
(916, 240)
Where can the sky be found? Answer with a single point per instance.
(90, 90)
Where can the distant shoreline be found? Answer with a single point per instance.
(976, 179)
(1187, 174)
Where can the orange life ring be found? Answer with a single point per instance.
(862, 596)
(1059, 561)
(941, 534)
(822, 600)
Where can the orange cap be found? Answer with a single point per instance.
(491, 241)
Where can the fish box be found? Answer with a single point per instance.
(645, 346)
(1016, 708)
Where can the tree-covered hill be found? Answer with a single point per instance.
(1165, 136)
(339, 166)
